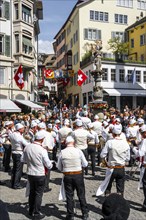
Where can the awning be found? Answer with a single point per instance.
(126, 92)
(6, 105)
(30, 104)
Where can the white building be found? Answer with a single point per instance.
(19, 29)
(119, 87)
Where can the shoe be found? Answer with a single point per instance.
(143, 209)
(69, 217)
(93, 174)
(17, 187)
(85, 217)
(39, 216)
(47, 190)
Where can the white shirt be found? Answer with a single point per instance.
(95, 140)
(97, 127)
(36, 158)
(63, 133)
(81, 136)
(71, 159)
(117, 150)
(141, 152)
(18, 142)
(48, 141)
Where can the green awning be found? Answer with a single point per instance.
(27, 41)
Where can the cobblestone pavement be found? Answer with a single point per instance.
(17, 204)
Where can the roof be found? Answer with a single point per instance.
(139, 22)
(30, 104)
(79, 3)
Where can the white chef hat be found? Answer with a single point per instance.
(33, 124)
(69, 139)
(105, 123)
(85, 113)
(79, 123)
(18, 126)
(111, 126)
(57, 121)
(40, 135)
(140, 121)
(90, 125)
(96, 117)
(143, 128)
(117, 129)
(42, 125)
(37, 121)
(132, 121)
(50, 126)
(7, 123)
(66, 122)
(117, 120)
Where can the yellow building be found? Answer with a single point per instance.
(137, 40)
(92, 20)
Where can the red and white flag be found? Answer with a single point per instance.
(19, 77)
(66, 81)
(81, 77)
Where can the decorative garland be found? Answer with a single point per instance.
(98, 105)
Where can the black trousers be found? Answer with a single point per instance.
(37, 184)
(91, 153)
(7, 156)
(144, 188)
(71, 183)
(118, 175)
(17, 170)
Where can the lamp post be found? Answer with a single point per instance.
(98, 104)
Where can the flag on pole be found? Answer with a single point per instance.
(81, 77)
(66, 81)
(133, 76)
(19, 77)
(49, 74)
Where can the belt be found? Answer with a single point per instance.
(118, 167)
(72, 173)
(144, 165)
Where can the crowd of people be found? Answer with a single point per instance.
(67, 139)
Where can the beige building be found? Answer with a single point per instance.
(92, 20)
(19, 30)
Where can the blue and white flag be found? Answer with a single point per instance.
(133, 76)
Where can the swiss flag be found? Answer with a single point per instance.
(66, 81)
(19, 77)
(81, 77)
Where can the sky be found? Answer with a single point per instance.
(55, 13)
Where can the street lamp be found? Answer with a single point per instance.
(98, 104)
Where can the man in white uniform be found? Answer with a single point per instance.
(117, 152)
(70, 162)
(37, 159)
(63, 133)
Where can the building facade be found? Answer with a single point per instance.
(95, 20)
(19, 30)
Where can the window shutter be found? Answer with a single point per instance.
(98, 34)
(7, 45)
(113, 35)
(85, 33)
(7, 10)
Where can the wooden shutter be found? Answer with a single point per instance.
(7, 10)
(7, 45)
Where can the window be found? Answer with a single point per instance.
(113, 75)
(75, 37)
(142, 39)
(1, 9)
(105, 74)
(4, 9)
(121, 75)
(26, 45)
(141, 4)
(99, 16)
(17, 43)
(2, 79)
(142, 57)
(129, 76)
(91, 15)
(117, 34)
(53, 88)
(26, 14)
(16, 12)
(125, 3)
(121, 19)
(132, 43)
(92, 34)
(1, 44)
(144, 76)
(76, 58)
(138, 76)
